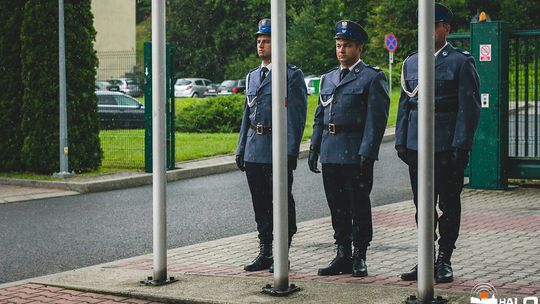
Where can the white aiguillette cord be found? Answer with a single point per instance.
(404, 85)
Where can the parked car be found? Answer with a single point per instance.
(229, 87)
(310, 83)
(102, 85)
(117, 110)
(191, 87)
(128, 86)
(211, 89)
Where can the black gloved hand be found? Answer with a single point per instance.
(365, 162)
(313, 158)
(292, 162)
(240, 162)
(402, 153)
(460, 157)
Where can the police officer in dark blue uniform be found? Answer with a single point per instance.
(457, 110)
(254, 152)
(350, 121)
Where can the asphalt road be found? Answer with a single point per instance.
(52, 235)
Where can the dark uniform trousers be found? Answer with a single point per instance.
(448, 187)
(347, 188)
(259, 178)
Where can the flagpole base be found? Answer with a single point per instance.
(415, 300)
(151, 282)
(278, 292)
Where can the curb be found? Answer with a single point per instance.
(186, 170)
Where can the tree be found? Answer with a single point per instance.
(11, 13)
(39, 51)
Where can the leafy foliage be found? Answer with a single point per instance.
(40, 106)
(11, 13)
(222, 114)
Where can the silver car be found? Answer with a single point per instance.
(191, 87)
(128, 86)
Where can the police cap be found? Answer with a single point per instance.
(350, 30)
(442, 13)
(264, 27)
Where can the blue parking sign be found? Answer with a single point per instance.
(390, 42)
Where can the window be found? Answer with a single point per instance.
(199, 82)
(106, 100)
(123, 100)
(182, 82)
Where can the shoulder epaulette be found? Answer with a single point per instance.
(462, 51)
(292, 66)
(374, 67)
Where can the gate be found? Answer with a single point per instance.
(506, 144)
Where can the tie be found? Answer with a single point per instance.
(344, 73)
(263, 73)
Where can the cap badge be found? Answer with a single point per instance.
(344, 26)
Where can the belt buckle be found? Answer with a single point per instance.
(260, 129)
(331, 128)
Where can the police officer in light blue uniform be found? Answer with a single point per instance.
(457, 110)
(254, 151)
(350, 121)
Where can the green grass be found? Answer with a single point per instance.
(124, 149)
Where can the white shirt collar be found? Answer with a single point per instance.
(352, 66)
(269, 67)
(437, 53)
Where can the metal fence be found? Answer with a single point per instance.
(523, 94)
(123, 147)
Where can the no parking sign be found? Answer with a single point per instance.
(390, 42)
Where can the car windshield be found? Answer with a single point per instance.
(131, 81)
(124, 100)
(241, 82)
(182, 82)
(228, 83)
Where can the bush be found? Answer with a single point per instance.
(11, 137)
(222, 114)
(39, 49)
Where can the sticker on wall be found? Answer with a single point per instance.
(485, 52)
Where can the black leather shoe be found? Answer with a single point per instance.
(263, 261)
(443, 268)
(411, 275)
(341, 264)
(359, 267)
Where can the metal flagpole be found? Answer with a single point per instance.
(279, 152)
(426, 138)
(426, 135)
(64, 164)
(159, 174)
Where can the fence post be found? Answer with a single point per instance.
(169, 134)
(489, 157)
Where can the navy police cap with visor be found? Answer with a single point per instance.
(350, 30)
(442, 13)
(264, 28)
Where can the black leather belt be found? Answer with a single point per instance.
(439, 107)
(333, 128)
(260, 129)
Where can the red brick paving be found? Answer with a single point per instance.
(35, 293)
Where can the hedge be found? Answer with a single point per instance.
(222, 114)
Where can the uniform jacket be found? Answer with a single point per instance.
(457, 83)
(257, 148)
(360, 99)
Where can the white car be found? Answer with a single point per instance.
(191, 87)
(310, 84)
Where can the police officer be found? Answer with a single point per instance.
(457, 110)
(254, 151)
(350, 121)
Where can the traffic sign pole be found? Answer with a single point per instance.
(391, 44)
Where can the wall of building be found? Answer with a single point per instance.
(114, 21)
